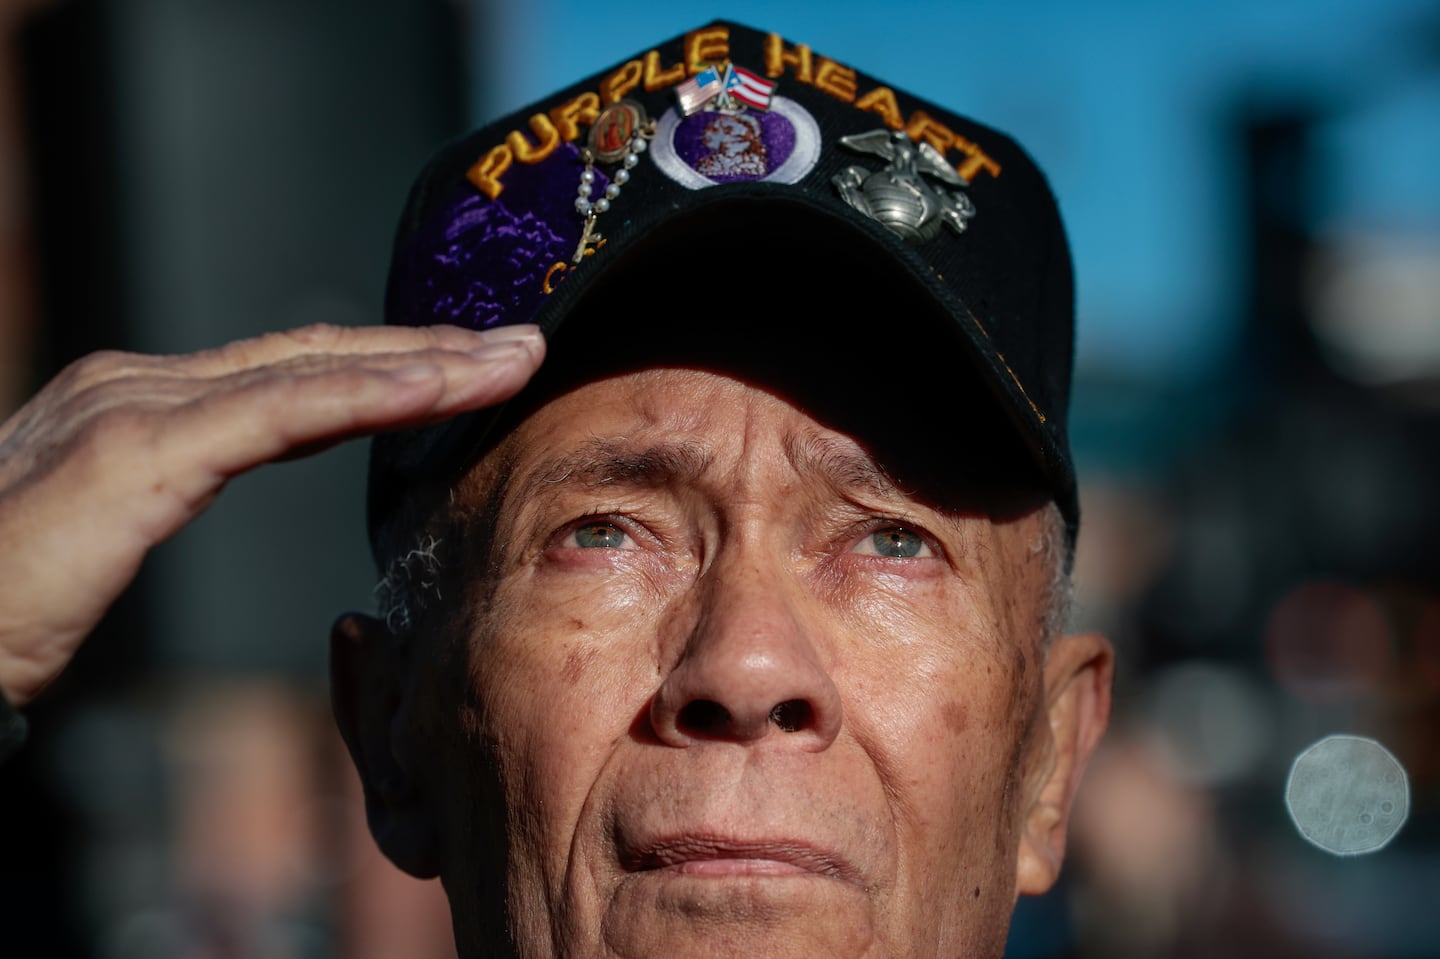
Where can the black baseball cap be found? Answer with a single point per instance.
(735, 140)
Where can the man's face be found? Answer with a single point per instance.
(717, 685)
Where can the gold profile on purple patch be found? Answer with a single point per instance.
(614, 129)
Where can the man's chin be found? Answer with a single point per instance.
(760, 909)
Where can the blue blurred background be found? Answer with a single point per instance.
(1252, 196)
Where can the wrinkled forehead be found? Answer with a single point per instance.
(831, 415)
(680, 424)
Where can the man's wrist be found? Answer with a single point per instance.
(13, 729)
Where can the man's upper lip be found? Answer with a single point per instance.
(676, 850)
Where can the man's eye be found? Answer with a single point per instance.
(894, 542)
(600, 535)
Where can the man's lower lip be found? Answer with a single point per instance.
(703, 855)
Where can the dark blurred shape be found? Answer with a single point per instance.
(1327, 643)
(1309, 475)
(202, 170)
(65, 62)
(1427, 645)
(1422, 36)
(68, 59)
(1280, 194)
(1300, 554)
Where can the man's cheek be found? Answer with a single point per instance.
(568, 596)
(569, 659)
(914, 606)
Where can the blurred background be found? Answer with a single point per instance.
(1253, 195)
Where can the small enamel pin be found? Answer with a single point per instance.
(731, 88)
(619, 134)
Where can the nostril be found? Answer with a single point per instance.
(792, 715)
(704, 716)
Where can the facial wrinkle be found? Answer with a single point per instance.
(621, 464)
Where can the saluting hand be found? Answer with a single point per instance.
(121, 450)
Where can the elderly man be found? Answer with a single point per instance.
(737, 629)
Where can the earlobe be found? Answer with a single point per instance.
(368, 695)
(1079, 671)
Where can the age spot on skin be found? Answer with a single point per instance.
(955, 716)
(576, 661)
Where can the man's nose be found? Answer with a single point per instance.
(750, 669)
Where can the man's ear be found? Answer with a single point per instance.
(1079, 671)
(368, 691)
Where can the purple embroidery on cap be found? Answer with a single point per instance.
(713, 147)
(479, 262)
(491, 266)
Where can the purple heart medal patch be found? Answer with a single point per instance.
(730, 126)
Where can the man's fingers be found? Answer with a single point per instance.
(262, 415)
(273, 348)
(354, 393)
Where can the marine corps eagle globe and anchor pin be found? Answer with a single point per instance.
(898, 196)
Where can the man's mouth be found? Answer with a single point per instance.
(716, 857)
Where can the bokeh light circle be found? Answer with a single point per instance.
(1348, 795)
(1212, 724)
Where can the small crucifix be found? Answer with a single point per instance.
(588, 237)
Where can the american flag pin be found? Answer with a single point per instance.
(699, 90)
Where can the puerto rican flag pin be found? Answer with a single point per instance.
(749, 88)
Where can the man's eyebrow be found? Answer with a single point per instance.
(604, 462)
(844, 465)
